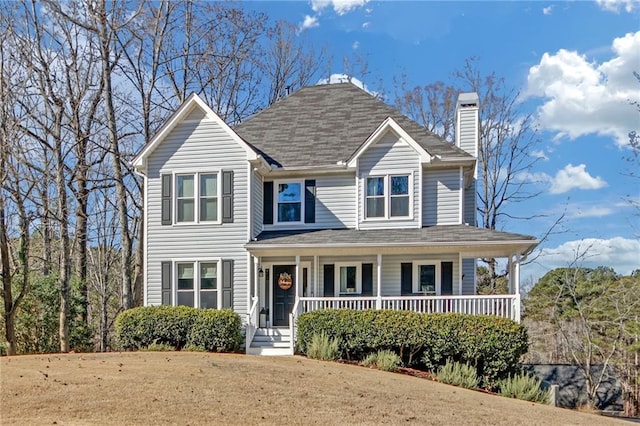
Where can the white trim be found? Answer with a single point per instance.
(420, 197)
(386, 176)
(390, 124)
(139, 162)
(358, 201)
(145, 254)
(277, 182)
(196, 196)
(196, 262)
(336, 275)
(416, 275)
(249, 205)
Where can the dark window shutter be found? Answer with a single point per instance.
(406, 278)
(329, 281)
(446, 278)
(310, 201)
(227, 284)
(367, 279)
(166, 283)
(166, 200)
(227, 196)
(267, 203)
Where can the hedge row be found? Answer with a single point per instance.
(493, 345)
(179, 326)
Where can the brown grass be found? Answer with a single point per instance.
(199, 388)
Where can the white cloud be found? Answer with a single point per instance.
(547, 10)
(355, 45)
(575, 177)
(309, 22)
(339, 6)
(593, 211)
(617, 5)
(622, 254)
(586, 97)
(366, 25)
(539, 154)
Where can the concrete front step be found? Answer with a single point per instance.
(271, 341)
(269, 351)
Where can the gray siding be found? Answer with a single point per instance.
(468, 130)
(390, 155)
(470, 204)
(469, 279)
(335, 204)
(441, 205)
(390, 270)
(256, 203)
(197, 146)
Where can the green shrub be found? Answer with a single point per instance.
(178, 326)
(384, 360)
(458, 374)
(493, 345)
(3, 348)
(525, 387)
(158, 347)
(216, 330)
(323, 348)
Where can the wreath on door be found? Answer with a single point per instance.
(285, 281)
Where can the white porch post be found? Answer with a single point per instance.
(316, 275)
(297, 279)
(511, 272)
(379, 283)
(516, 282)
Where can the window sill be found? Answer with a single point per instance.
(388, 219)
(181, 224)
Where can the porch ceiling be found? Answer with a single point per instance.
(470, 241)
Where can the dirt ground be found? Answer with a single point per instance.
(196, 388)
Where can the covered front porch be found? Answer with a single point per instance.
(294, 273)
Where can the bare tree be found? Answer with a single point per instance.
(507, 134)
(290, 61)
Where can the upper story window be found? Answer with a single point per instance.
(205, 203)
(387, 197)
(289, 202)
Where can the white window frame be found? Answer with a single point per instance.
(387, 196)
(276, 184)
(196, 196)
(196, 280)
(336, 276)
(416, 275)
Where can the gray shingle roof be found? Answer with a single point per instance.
(437, 235)
(322, 125)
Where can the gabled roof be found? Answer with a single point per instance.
(326, 124)
(193, 101)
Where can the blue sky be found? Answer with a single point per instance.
(572, 62)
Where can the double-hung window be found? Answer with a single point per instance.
(197, 192)
(348, 278)
(387, 197)
(197, 284)
(426, 278)
(289, 206)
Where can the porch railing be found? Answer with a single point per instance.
(506, 306)
(252, 322)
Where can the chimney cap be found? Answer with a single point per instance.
(468, 100)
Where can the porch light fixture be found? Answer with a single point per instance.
(260, 272)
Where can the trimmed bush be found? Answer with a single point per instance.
(323, 348)
(177, 326)
(216, 331)
(384, 360)
(492, 345)
(458, 374)
(525, 387)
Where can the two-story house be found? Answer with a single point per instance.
(327, 199)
